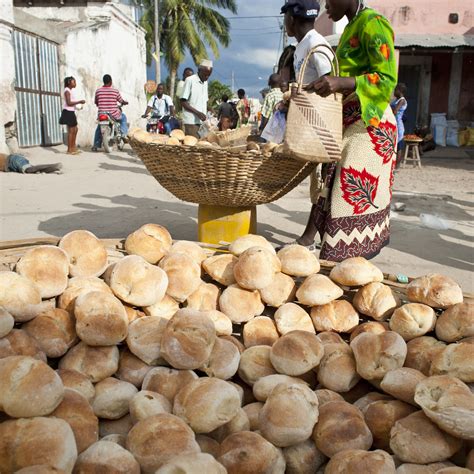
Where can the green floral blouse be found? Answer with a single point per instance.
(366, 52)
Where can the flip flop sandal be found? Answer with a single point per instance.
(76, 152)
(311, 247)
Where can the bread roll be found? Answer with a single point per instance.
(408, 468)
(239, 304)
(435, 290)
(188, 339)
(260, 331)
(205, 298)
(131, 368)
(29, 387)
(255, 363)
(76, 411)
(222, 323)
(87, 254)
(19, 296)
(415, 439)
(253, 412)
(145, 404)
(303, 458)
(298, 261)
(289, 414)
(6, 322)
(78, 382)
(364, 402)
(341, 426)
(249, 453)
(325, 396)
(264, 386)
(470, 460)
(19, 342)
(376, 300)
(296, 353)
(339, 316)
(281, 290)
(291, 317)
(224, 360)
(354, 461)
(241, 244)
(206, 404)
(47, 267)
(401, 383)
(36, 441)
(317, 290)
(337, 369)
(112, 398)
(221, 268)
(449, 403)
(165, 308)
(97, 363)
(456, 323)
(192, 249)
(371, 326)
(167, 382)
(40, 469)
(355, 271)
(329, 337)
(120, 427)
(192, 463)
(377, 354)
(145, 338)
(239, 423)
(138, 283)
(208, 445)
(455, 360)
(151, 241)
(413, 320)
(421, 351)
(454, 470)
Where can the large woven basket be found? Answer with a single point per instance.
(221, 177)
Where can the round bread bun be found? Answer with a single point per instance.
(303, 458)
(120, 427)
(76, 411)
(325, 396)
(208, 445)
(40, 469)
(239, 423)
(47, 267)
(106, 456)
(248, 452)
(204, 144)
(236, 342)
(192, 463)
(241, 244)
(291, 317)
(470, 460)
(449, 403)
(337, 369)
(151, 242)
(253, 411)
(144, 338)
(373, 327)
(341, 426)
(240, 305)
(221, 268)
(184, 275)
(364, 402)
(256, 268)
(296, 353)
(298, 261)
(264, 386)
(338, 316)
(149, 137)
(317, 290)
(101, 319)
(205, 298)
(146, 403)
(139, 135)
(96, 363)
(188, 339)
(19, 296)
(416, 439)
(222, 323)
(432, 468)
(75, 381)
(173, 141)
(87, 254)
(192, 249)
(7, 321)
(29, 387)
(435, 290)
(54, 331)
(329, 337)
(377, 354)
(112, 398)
(167, 382)
(355, 271)
(19, 343)
(190, 140)
(132, 313)
(421, 351)
(255, 363)
(281, 290)
(77, 286)
(37, 441)
(456, 323)
(401, 383)
(455, 360)
(358, 460)
(160, 139)
(224, 360)
(137, 282)
(413, 320)
(376, 300)
(131, 368)
(260, 331)
(289, 415)
(178, 134)
(165, 308)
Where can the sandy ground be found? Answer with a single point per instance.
(113, 195)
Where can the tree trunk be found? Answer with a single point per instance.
(173, 72)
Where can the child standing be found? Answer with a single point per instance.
(399, 106)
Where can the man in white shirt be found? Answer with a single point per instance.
(194, 99)
(180, 86)
(161, 106)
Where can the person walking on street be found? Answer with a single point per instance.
(68, 115)
(225, 109)
(161, 107)
(274, 97)
(243, 108)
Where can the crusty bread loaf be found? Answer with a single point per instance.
(303, 458)
(355, 271)
(239, 304)
(325, 396)
(421, 351)
(206, 404)
(435, 290)
(7, 321)
(224, 360)
(165, 308)
(221, 268)
(329, 337)
(260, 331)
(151, 241)
(298, 261)
(78, 382)
(456, 322)
(191, 463)
(19, 342)
(339, 316)
(253, 412)
(208, 445)
(291, 317)
(376, 300)
(167, 382)
(120, 427)
(145, 337)
(455, 360)
(281, 290)
(131, 368)
(365, 401)
(354, 461)
(112, 398)
(146, 403)
(401, 383)
(413, 320)
(222, 323)
(239, 423)
(317, 290)
(241, 244)
(29, 387)
(374, 327)
(264, 386)
(192, 249)
(205, 298)
(255, 363)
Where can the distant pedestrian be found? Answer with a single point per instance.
(180, 86)
(274, 97)
(68, 115)
(243, 107)
(399, 106)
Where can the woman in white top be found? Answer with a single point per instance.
(68, 115)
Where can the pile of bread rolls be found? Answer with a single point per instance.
(176, 360)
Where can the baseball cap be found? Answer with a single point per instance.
(302, 8)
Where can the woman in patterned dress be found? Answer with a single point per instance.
(353, 211)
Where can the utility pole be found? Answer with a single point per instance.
(233, 82)
(157, 44)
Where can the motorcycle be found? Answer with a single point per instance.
(155, 125)
(111, 132)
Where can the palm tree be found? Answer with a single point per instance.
(188, 26)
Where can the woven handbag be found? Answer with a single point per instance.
(314, 124)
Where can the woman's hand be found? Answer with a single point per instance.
(328, 85)
(82, 101)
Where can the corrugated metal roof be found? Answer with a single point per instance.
(424, 41)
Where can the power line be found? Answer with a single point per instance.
(251, 17)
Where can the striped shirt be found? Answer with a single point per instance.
(271, 100)
(106, 99)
